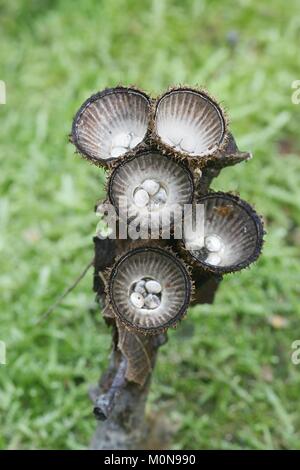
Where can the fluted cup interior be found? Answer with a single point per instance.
(231, 235)
(168, 272)
(189, 122)
(152, 183)
(111, 123)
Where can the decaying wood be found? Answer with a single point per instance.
(120, 398)
(230, 155)
(206, 286)
(105, 252)
(104, 402)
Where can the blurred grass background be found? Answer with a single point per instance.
(225, 379)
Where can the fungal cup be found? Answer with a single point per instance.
(111, 123)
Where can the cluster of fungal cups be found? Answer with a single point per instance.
(159, 153)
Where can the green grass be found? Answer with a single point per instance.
(225, 379)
